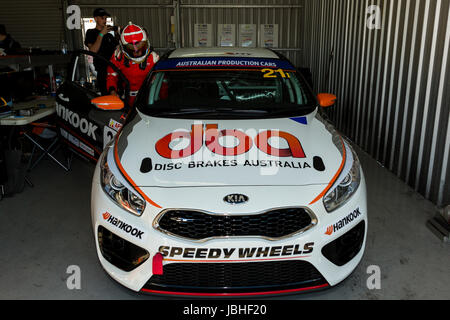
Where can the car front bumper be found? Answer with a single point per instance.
(318, 258)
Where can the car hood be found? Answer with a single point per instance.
(161, 152)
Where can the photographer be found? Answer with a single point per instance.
(100, 41)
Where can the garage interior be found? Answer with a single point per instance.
(386, 61)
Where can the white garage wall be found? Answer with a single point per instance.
(393, 84)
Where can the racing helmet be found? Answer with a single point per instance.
(134, 43)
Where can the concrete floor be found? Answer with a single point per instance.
(46, 229)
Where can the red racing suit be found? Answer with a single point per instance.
(134, 72)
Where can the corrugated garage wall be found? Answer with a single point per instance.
(153, 15)
(393, 84)
(34, 23)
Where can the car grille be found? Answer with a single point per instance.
(236, 277)
(273, 224)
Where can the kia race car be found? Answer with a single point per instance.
(226, 180)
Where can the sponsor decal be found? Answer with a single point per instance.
(113, 124)
(236, 253)
(227, 62)
(211, 141)
(87, 149)
(74, 140)
(122, 225)
(343, 222)
(64, 133)
(77, 143)
(85, 126)
(148, 166)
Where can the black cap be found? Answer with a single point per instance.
(100, 12)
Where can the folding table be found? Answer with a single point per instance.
(49, 109)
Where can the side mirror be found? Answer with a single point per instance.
(326, 99)
(108, 103)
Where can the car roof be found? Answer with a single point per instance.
(223, 52)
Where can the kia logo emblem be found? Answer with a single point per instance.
(236, 199)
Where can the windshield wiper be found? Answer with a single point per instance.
(266, 110)
(235, 110)
(176, 111)
(220, 110)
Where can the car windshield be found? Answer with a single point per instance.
(266, 92)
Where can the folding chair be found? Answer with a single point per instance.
(43, 131)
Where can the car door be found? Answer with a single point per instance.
(86, 128)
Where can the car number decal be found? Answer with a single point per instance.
(108, 135)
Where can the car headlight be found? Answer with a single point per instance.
(121, 195)
(346, 185)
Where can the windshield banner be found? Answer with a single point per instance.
(222, 62)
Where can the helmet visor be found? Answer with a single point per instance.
(136, 50)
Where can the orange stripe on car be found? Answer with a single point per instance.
(122, 170)
(336, 176)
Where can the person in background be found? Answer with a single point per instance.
(7, 44)
(100, 41)
(134, 58)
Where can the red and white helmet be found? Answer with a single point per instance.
(134, 43)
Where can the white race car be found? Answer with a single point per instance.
(227, 181)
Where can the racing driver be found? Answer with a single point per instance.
(134, 58)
